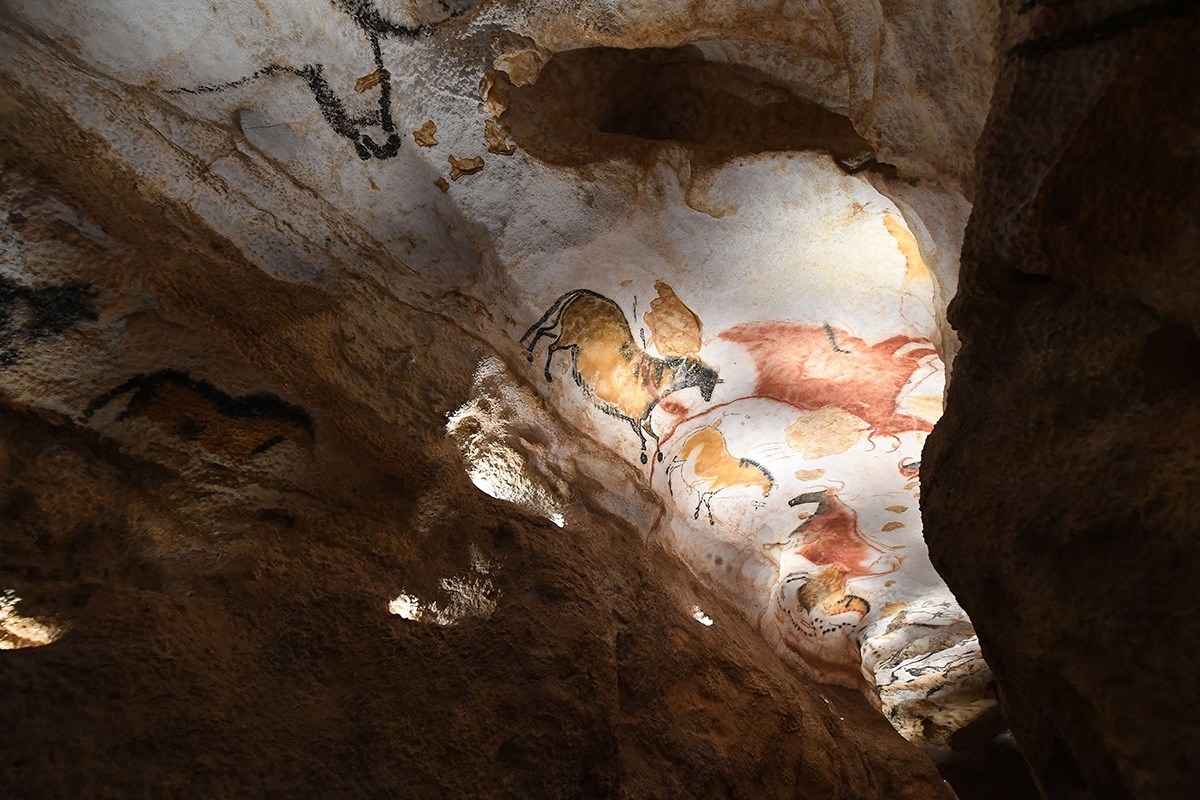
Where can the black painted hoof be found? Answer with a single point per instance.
(643, 458)
(529, 358)
(548, 378)
(659, 456)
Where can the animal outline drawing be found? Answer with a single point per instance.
(32, 313)
(237, 428)
(715, 467)
(621, 378)
(376, 28)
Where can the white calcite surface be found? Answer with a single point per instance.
(793, 485)
(753, 337)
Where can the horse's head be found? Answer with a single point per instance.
(690, 371)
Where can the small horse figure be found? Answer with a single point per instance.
(718, 469)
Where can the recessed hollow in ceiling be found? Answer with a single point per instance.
(595, 103)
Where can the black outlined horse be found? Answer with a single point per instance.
(622, 379)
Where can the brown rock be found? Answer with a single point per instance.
(1060, 488)
(464, 166)
(371, 81)
(426, 135)
(497, 139)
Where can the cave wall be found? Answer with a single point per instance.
(209, 588)
(258, 256)
(1061, 487)
(261, 351)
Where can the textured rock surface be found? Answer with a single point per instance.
(267, 277)
(226, 612)
(1061, 488)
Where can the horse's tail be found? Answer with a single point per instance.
(556, 311)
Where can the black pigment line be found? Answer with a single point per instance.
(1104, 29)
(254, 406)
(833, 339)
(364, 13)
(206, 88)
(372, 23)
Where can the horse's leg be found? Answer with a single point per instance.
(637, 428)
(552, 319)
(545, 330)
(650, 430)
(707, 498)
(575, 366)
(550, 351)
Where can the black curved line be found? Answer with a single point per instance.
(364, 13)
(367, 18)
(1106, 28)
(252, 406)
(560, 304)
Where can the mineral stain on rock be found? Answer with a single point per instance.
(426, 135)
(464, 166)
(497, 139)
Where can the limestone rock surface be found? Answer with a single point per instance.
(1061, 490)
(289, 289)
(257, 587)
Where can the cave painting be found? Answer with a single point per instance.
(234, 428)
(376, 27)
(813, 367)
(825, 554)
(778, 491)
(914, 266)
(803, 402)
(31, 313)
(825, 432)
(621, 378)
(713, 469)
